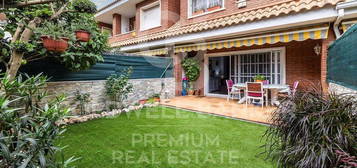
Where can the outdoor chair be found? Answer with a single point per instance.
(232, 91)
(289, 91)
(255, 91)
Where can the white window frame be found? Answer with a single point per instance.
(189, 11)
(221, 54)
(147, 7)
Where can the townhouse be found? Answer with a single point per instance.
(284, 40)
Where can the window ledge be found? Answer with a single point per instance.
(206, 13)
(150, 28)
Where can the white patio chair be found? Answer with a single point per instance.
(232, 91)
(255, 91)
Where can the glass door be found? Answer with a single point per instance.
(218, 74)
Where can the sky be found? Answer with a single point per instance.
(102, 3)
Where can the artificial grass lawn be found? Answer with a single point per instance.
(167, 138)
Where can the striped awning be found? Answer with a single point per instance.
(299, 35)
(161, 51)
(347, 24)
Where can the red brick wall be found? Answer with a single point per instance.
(116, 24)
(230, 8)
(324, 50)
(170, 14)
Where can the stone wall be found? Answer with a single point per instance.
(333, 87)
(143, 89)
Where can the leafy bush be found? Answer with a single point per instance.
(192, 69)
(54, 30)
(21, 46)
(86, 6)
(118, 87)
(83, 99)
(28, 126)
(309, 127)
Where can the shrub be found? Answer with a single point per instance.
(192, 69)
(309, 127)
(28, 127)
(54, 30)
(84, 99)
(86, 6)
(118, 87)
(22, 47)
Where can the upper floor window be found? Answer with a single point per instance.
(202, 6)
(150, 16)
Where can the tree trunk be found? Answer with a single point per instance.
(16, 57)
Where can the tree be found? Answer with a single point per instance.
(28, 20)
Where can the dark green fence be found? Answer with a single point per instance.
(143, 67)
(342, 60)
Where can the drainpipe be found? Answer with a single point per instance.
(341, 14)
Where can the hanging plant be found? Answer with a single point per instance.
(82, 31)
(54, 37)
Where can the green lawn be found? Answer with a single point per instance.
(167, 138)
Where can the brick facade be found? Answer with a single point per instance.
(170, 14)
(302, 63)
(116, 24)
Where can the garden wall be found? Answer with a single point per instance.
(143, 88)
(339, 89)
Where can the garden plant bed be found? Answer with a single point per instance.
(165, 137)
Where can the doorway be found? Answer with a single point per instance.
(218, 69)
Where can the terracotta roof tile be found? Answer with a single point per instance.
(246, 16)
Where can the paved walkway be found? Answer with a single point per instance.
(222, 107)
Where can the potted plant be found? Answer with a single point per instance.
(82, 31)
(259, 78)
(54, 37)
(143, 101)
(192, 69)
(199, 9)
(156, 97)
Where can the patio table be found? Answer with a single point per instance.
(274, 88)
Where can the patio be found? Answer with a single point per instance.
(221, 106)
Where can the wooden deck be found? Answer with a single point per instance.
(222, 107)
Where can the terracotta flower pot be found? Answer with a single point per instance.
(55, 45)
(157, 99)
(142, 101)
(213, 8)
(259, 80)
(191, 92)
(82, 35)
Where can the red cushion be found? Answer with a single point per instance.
(255, 94)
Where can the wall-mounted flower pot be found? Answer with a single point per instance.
(157, 99)
(82, 35)
(198, 12)
(50, 44)
(213, 8)
(143, 101)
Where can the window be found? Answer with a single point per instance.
(245, 66)
(202, 6)
(150, 16)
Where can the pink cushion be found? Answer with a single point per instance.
(255, 94)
